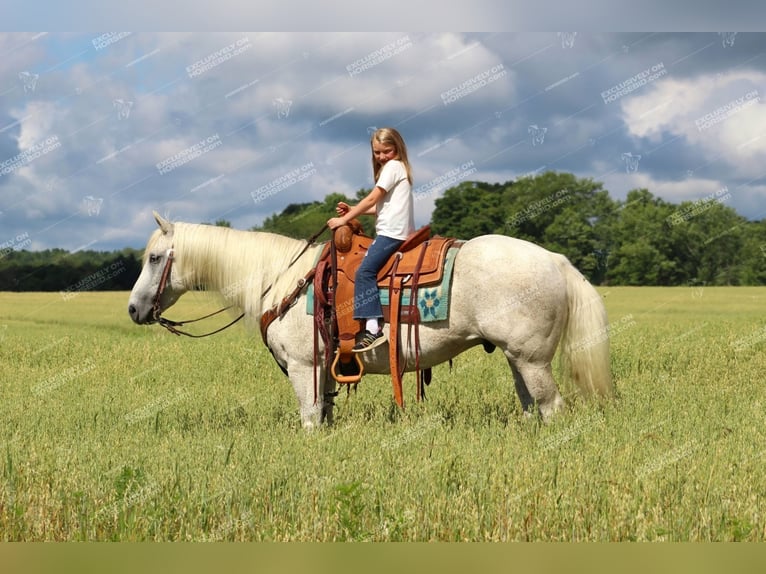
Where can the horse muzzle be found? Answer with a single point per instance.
(139, 317)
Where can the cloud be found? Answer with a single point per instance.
(721, 116)
(194, 125)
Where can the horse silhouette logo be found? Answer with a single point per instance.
(727, 39)
(92, 205)
(567, 39)
(537, 133)
(698, 290)
(29, 81)
(283, 107)
(631, 162)
(52, 184)
(123, 108)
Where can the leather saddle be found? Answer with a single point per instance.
(419, 262)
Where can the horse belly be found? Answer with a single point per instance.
(438, 344)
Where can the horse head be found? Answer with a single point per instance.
(159, 285)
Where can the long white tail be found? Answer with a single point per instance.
(585, 344)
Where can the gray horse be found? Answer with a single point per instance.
(505, 292)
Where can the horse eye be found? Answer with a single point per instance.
(153, 259)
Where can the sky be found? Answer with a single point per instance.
(97, 130)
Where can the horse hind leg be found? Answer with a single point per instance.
(527, 402)
(535, 385)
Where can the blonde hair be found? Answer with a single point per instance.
(389, 136)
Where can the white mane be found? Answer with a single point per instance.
(240, 265)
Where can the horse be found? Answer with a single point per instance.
(506, 294)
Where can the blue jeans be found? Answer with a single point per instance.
(366, 298)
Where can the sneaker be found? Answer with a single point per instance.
(367, 341)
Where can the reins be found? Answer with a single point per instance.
(171, 325)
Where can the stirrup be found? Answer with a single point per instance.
(347, 379)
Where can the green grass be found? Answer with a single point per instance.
(109, 431)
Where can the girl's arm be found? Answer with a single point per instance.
(343, 208)
(367, 206)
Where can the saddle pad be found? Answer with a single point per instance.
(433, 301)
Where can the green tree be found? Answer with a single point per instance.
(573, 216)
(643, 250)
(753, 270)
(469, 210)
(302, 220)
(708, 239)
(563, 213)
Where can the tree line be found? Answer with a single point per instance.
(69, 273)
(642, 240)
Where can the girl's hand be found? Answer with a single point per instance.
(335, 222)
(342, 208)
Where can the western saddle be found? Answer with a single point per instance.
(419, 262)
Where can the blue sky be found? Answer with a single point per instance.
(99, 129)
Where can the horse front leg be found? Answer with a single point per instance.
(315, 401)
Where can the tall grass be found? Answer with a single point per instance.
(109, 431)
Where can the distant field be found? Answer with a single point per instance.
(110, 431)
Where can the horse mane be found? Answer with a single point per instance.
(240, 265)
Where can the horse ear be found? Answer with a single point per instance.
(165, 225)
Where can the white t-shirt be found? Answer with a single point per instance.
(395, 212)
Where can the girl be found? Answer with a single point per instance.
(391, 203)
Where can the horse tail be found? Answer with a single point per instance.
(585, 342)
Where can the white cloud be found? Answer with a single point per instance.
(35, 122)
(674, 191)
(374, 74)
(722, 116)
(338, 85)
(744, 199)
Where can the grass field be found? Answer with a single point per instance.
(109, 431)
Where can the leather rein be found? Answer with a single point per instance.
(172, 326)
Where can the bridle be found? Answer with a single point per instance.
(156, 309)
(171, 325)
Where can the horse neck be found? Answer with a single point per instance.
(242, 265)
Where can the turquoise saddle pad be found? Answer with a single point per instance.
(433, 301)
